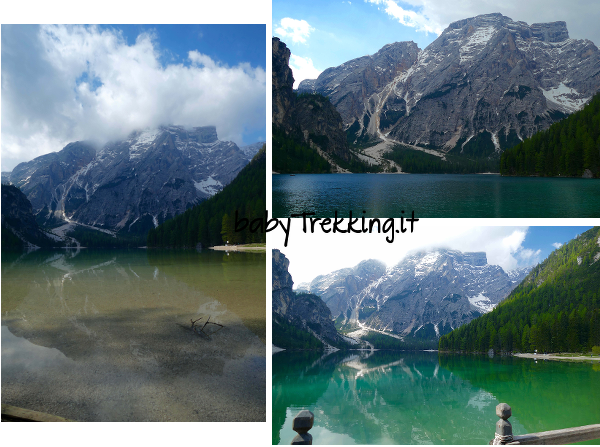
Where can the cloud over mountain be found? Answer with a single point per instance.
(67, 83)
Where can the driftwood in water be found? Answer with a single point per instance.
(200, 330)
(196, 329)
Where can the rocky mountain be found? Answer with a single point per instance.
(252, 149)
(5, 177)
(482, 86)
(310, 119)
(299, 315)
(19, 228)
(337, 288)
(130, 185)
(426, 295)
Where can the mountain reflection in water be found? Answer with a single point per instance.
(97, 335)
(388, 397)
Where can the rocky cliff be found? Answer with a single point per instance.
(19, 228)
(310, 118)
(337, 288)
(302, 311)
(282, 82)
(351, 85)
(282, 294)
(482, 86)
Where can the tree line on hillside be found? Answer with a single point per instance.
(212, 222)
(293, 156)
(291, 337)
(555, 309)
(97, 239)
(418, 162)
(9, 240)
(382, 341)
(568, 148)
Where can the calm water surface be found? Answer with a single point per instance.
(419, 398)
(435, 195)
(103, 335)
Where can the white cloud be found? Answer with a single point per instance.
(435, 15)
(527, 256)
(557, 245)
(303, 68)
(502, 245)
(408, 17)
(297, 30)
(67, 83)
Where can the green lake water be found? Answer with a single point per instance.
(435, 195)
(104, 335)
(389, 397)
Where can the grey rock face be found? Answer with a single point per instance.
(432, 292)
(17, 217)
(130, 185)
(305, 311)
(252, 149)
(337, 288)
(312, 120)
(282, 293)
(483, 85)
(282, 81)
(40, 179)
(351, 85)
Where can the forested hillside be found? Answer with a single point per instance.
(556, 308)
(569, 148)
(212, 221)
(293, 156)
(418, 162)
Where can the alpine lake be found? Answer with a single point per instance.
(401, 397)
(106, 335)
(435, 195)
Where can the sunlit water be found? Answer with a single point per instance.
(417, 398)
(105, 335)
(435, 195)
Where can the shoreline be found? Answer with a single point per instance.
(557, 357)
(237, 248)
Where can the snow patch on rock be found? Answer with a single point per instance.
(481, 302)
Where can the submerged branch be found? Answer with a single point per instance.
(200, 331)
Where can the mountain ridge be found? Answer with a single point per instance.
(431, 291)
(133, 184)
(485, 84)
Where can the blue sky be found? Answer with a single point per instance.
(508, 246)
(63, 83)
(230, 44)
(547, 239)
(326, 33)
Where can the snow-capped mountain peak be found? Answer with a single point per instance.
(432, 290)
(132, 184)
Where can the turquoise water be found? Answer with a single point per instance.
(419, 398)
(435, 195)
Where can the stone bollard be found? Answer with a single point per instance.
(504, 433)
(302, 423)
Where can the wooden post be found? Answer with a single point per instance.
(302, 423)
(504, 433)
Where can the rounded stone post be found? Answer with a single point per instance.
(503, 427)
(302, 423)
